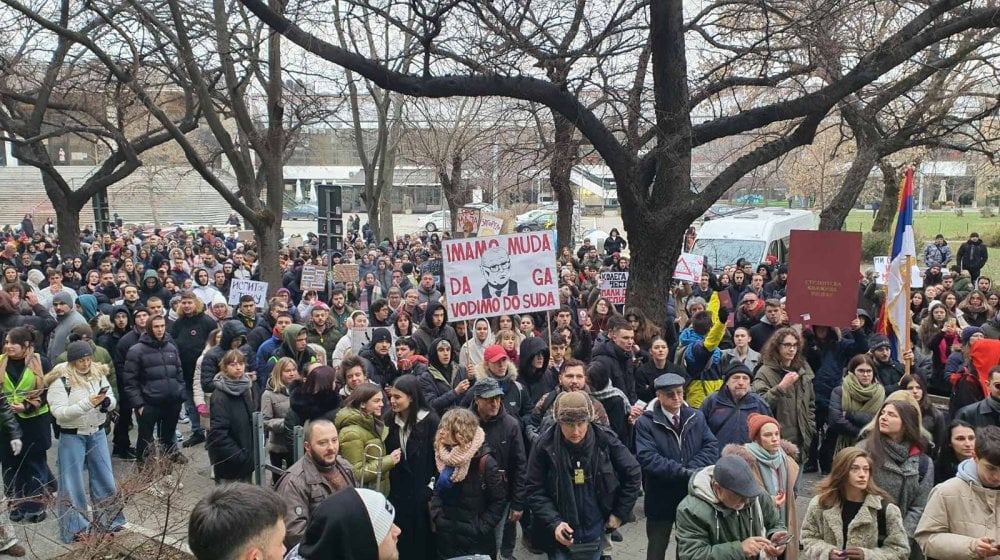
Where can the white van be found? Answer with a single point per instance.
(752, 235)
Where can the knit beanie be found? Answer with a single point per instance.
(573, 407)
(63, 297)
(735, 367)
(381, 334)
(967, 333)
(380, 513)
(219, 298)
(757, 421)
(77, 350)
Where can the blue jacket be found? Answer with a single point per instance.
(830, 361)
(668, 459)
(727, 423)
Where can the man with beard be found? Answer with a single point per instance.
(572, 377)
(339, 311)
(67, 317)
(321, 330)
(727, 410)
(320, 473)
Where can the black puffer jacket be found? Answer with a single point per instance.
(153, 373)
(231, 330)
(427, 334)
(379, 369)
(230, 441)
(466, 515)
(303, 407)
(437, 380)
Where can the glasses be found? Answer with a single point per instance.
(497, 267)
(789, 344)
(864, 370)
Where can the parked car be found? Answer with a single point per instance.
(546, 220)
(301, 212)
(530, 215)
(441, 220)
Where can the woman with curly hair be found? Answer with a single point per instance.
(785, 382)
(470, 496)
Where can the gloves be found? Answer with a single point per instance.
(15, 446)
(723, 314)
(202, 409)
(444, 480)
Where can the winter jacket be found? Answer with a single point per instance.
(153, 373)
(646, 374)
(615, 479)
(273, 408)
(888, 374)
(533, 381)
(972, 256)
(437, 389)
(357, 431)
(328, 338)
(230, 439)
(823, 531)
(514, 398)
(669, 458)
(828, 359)
(981, 413)
(427, 334)
(231, 331)
(727, 420)
(380, 370)
(958, 512)
(937, 255)
(794, 409)
(190, 334)
(302, 488)
(619, 365)
(761, 333)
(504, 436)
(708, 530)
(842, 423)
(287, 350)
(303, 407)
(69, 398)
(903, 483)
(466, 515)
(145, 292)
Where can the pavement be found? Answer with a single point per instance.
(166, 515)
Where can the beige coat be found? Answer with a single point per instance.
(823, 531)
(957, 513)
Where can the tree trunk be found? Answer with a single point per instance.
(890, 198)
(268, 245)
(565, 153)
(372, 204)
(654, 246)
(67, 209)
(832, 217)
(386, 175)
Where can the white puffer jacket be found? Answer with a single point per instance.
(69, 398)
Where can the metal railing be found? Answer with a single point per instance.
(261, 465)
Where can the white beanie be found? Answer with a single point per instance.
(219, 298)
(380, 513)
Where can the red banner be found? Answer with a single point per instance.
(823, 270)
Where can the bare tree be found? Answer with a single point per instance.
(741, 46)
(50, 90)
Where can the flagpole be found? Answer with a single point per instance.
(907, 270)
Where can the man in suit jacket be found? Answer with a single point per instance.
(495, 266)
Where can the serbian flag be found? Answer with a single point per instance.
(894, 319)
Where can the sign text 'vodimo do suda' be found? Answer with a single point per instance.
(503, 274)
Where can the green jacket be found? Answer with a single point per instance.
(795, 409)
(708, 530)
(357, 431)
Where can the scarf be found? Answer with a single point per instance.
(459, 457)
(858, 398)
(772, 466)
(232, 387)
(608, 392)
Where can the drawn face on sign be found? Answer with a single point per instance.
(495, 264)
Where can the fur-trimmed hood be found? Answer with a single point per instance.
(479, 370)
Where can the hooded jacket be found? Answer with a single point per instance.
(514, 398)
(358, 431)
(533, 380)
(231, 330)
(972, 255)
(619, 364)
(708, 530)
(958, 512)
(287, 350)
(466, 515)
(669, 457)
(436, 382)
(427, 334)
(145, 292)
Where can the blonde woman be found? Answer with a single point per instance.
(79, 398)
(274, 407)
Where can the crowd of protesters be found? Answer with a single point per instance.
(456, 436)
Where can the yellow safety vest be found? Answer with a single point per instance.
(17, 395)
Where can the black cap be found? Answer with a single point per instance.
(735, 367)
(381, 334)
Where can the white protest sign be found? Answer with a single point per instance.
(689, 267)
(489, 276)
(248, 287)
(313, 278)
(360, 337)
(613, 286)
(882, 270)
(489, 224)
